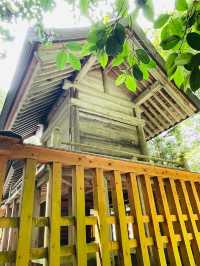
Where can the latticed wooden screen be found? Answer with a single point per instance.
(122, 213)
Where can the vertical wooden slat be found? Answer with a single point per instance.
(156, 229)
(101, 208)
(173, 248)
(196, 240)
(136, 209)
(196, 197)
(55, 214)
(118, 202)
(25, 227)
(3, 162)
(188, 255)
(79, 213)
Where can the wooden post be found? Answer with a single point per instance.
(118, 202)
(12, 234)
(141, 135)
(79, 213)
(26, 215)
(69, 213)
(74, 127)
(47, 213)
(4, 243)
(36, 213)
(55, 215)
(101, 208)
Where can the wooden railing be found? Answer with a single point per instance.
(137, 214)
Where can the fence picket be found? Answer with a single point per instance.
(55, 214)
(118, 202)
(25, 227)
(100, 206)
(79, 213)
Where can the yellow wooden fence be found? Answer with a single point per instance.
(157, 223)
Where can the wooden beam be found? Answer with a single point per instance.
(145, 95)
(85, 69)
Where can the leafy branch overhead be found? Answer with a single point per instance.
(111, 42)
(180, 37)
(179, 31)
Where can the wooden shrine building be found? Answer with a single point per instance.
(80, 187)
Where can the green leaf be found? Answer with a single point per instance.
(126, 48)
(74, 46)
(179, 76)
(118, 60)
(171, 71)
(137, 73)
(122, 7)
(161, 21)
(131, 83)
(181, 5)
(195, 79)
(152, 64)
(131, 59)
(170, 42)
(61, 59)
(195, 61)
(142, 56)
(113, 47)
(173, 27)
(86, 49)
(74, 61)
(144, 69)
(103, 59)
(193, 39)
(84, 5)
(120, 79)
(119, 33)
(171, 60)
(183, 59)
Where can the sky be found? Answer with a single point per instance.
(61, 17)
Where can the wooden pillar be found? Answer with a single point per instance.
(47, 213)
(141, 135)
(12, 232)
(69, 213)
(6, 230)
(74, 127)
(23, 254)
(36, 213)
(79, 214)
(100, 205)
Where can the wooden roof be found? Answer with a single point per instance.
(37, 86)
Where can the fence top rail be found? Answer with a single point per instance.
(48, 155)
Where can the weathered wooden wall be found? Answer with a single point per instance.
(96, 113)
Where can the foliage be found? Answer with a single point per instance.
(29, 10)
(179, 33)
(182, 140)
(179, 39)
(111, 42)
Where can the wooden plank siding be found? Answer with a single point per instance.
(96, 113)
(153, 212)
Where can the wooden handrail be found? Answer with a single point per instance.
(46, 155)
